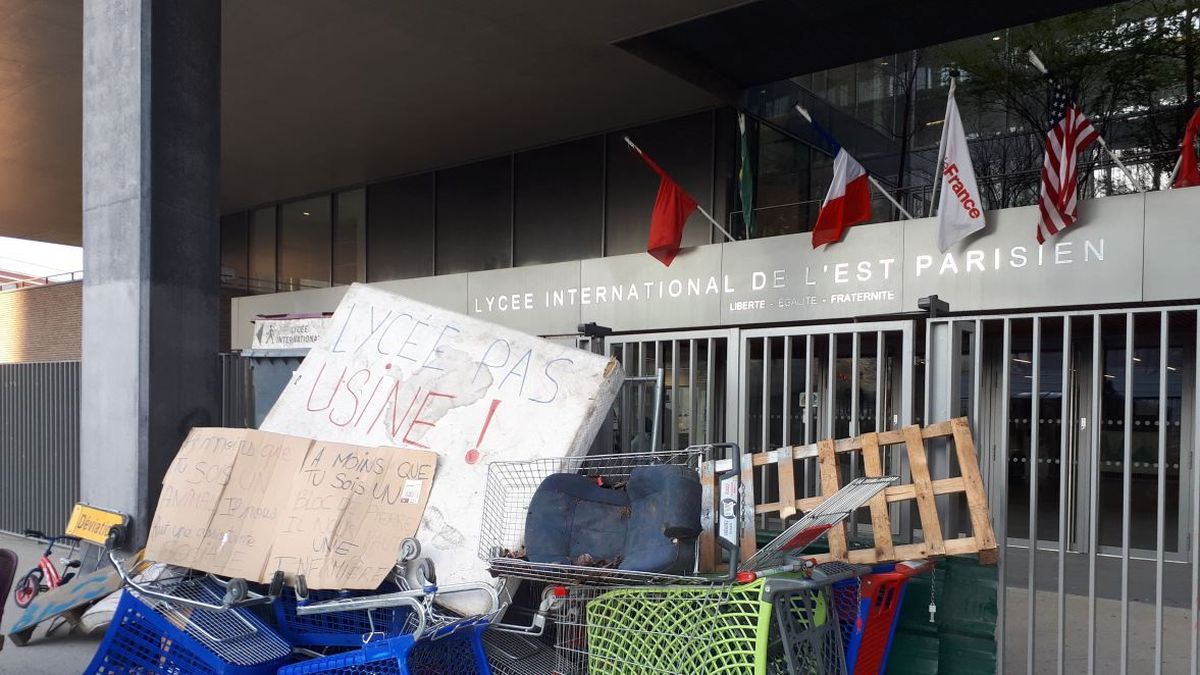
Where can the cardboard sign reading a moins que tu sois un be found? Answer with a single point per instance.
(245, 503)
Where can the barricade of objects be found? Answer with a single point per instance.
(449, 519)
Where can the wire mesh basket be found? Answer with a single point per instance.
(776, 625)
(156, 635)
(514, 654)
(511, 487)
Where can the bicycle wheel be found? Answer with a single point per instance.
(27, 588)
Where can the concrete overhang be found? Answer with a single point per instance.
(319, 94)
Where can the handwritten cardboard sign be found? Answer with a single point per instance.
(389, 370)
(245, 503)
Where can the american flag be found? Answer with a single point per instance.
(1070, 134)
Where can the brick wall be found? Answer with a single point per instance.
(41, 324)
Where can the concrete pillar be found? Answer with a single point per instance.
(151, 132)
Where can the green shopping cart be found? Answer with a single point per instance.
(774, 625)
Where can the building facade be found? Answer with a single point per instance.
(1075, 360)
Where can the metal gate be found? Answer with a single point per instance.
(800, 384)
(1086, 422)
(699, 401)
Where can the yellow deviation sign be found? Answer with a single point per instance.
(92, 524)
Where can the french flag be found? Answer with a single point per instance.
(847, 203)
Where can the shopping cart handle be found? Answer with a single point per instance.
(733, 546)
(820, 578)
(248, 599)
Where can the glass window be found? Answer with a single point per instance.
(261, 275)
(400, 228)
(350, 237)
(474, 217)
(782, 183)
(234, 249)
(304, 244)
(559, 202)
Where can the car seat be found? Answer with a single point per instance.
(650, 524)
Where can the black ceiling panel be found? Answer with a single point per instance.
(770, 40)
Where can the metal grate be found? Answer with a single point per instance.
(39, 445)
(512, 654)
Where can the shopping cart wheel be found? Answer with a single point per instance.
(116, 535)
(301, 588)
(235, 591)
(552, 598)
(410, 549)
(276, 588)
(426, 573)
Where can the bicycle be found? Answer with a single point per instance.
(46, 576)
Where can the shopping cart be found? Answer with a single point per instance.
(511, 487)
(773, 625)
(348, 628)
(431, 641)
(184, 623)
(784, 615)
(448, 650)
(877, 614)
(782, 554)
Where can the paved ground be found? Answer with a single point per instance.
(1176, 636)
(57, 654)
(61, 653)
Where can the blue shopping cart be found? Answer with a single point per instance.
(455, 648)
(185, 627)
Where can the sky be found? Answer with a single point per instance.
(38, 258)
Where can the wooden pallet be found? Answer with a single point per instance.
(921, 490)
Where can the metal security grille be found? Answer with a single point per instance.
(807, 383)
(39, 445)
(237, 395)
(698, 406)
(1086, 423)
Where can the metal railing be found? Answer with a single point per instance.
(1101, 177)
(35, 282)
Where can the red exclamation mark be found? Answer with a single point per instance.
(473, 453)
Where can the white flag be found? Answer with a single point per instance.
(960, 210)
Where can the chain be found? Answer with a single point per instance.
(932, 601)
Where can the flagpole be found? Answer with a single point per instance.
(1041, 68)
(633, 146)
(804, 113)
(889, 196)
(941, 156)
(1175, 171)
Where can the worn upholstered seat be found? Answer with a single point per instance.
(648, 525)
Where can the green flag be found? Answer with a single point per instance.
(746, 178)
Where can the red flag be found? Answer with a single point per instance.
(1189, 172)
(671, 210)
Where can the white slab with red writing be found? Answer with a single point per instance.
(393, 371)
